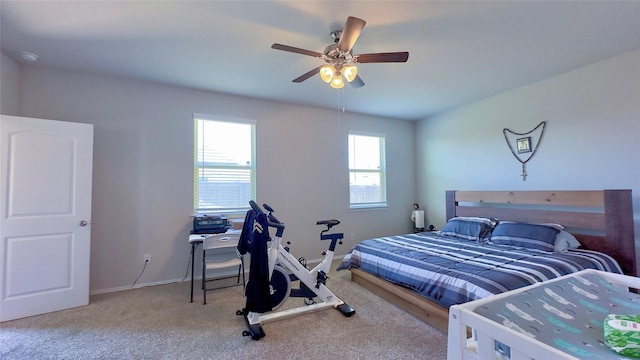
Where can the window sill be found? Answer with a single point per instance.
(228, 214)
(367, 207)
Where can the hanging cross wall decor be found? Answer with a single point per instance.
(524, 146)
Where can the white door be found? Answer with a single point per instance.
(45, 195)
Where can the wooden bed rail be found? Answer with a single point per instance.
(592, 198)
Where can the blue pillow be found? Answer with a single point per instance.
(469, 228)
(531, 236)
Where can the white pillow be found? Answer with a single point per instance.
(564, 241)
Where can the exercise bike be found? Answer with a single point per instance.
(312, 281)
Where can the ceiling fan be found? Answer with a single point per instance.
(339, 58)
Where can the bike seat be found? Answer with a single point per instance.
(329, 223)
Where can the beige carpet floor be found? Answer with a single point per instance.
(159, 322)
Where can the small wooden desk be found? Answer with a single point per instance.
(197, 239)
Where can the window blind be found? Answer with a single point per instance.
(224, 164)
(367, 176)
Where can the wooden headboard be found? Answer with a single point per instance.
(602, 220)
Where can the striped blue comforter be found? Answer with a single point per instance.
(452, 271)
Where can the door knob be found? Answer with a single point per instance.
(83, 223)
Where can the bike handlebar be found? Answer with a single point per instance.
(255, 207)
(271, 219)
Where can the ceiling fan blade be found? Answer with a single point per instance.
(307, 75)
(296, 50)
(383, 57)
(350, 33)
(357, 82)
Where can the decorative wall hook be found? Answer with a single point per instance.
(524, 146)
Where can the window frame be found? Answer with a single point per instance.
(382, 171)
(198, 162)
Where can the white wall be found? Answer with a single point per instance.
(592, 140)
(9, 85)
(143, 173)
(142, 198)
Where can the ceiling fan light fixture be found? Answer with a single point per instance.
(339, 60)
(337, 82)
(326, 73)
(349, 72)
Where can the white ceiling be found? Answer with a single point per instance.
(460, 51)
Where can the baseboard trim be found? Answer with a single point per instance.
(188, 278)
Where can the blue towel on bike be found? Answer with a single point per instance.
(253, 239)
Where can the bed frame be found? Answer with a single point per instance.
(602, 220)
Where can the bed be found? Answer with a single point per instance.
(602, 222)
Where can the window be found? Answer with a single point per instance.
(367, 174)
(224, 164)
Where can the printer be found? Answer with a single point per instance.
(210, 224)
